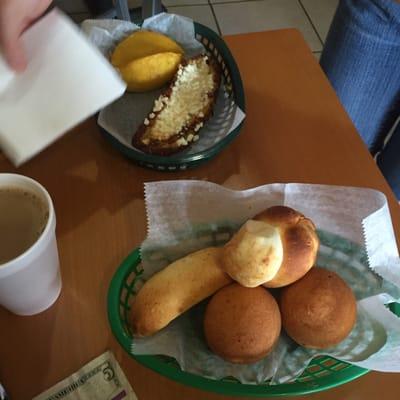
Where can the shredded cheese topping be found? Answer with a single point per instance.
(188, 98)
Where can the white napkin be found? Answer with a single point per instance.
(66, 81)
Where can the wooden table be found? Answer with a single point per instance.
(296, 131)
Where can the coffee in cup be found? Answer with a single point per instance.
(23, 217)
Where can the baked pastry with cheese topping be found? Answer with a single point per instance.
(181, 110)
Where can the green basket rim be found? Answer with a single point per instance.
(228, 388)
(192, 160)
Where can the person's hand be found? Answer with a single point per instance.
(15, 17)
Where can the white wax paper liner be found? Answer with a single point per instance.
(184, 216)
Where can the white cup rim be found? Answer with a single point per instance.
(49, 225)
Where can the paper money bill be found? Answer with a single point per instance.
(100, 379)
(3, 394)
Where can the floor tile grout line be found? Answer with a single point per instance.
(235, 2)
(78, 13)
(311, 22)
(215, 17)
(206, 3)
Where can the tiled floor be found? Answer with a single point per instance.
(311, 17)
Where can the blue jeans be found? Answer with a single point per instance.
(361, 58)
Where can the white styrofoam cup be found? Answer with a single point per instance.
(31, 282)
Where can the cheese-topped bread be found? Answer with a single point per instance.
(180, 112)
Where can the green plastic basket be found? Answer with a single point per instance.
(322, 373)
(216, 47)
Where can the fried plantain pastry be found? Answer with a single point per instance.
(181, 110)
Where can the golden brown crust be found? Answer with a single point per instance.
(242, 325)
(319, 310)
(170, 145)
(175, 289)
(299, 240)
(280, 215)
